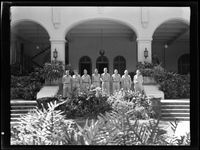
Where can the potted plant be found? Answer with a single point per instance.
(146, 69)
(53, 72)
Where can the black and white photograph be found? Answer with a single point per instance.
(100, 75)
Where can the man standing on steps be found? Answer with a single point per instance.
(96, 78)
(126, 81)
(85, 81)
(105, 78)
(116, 78)
(76, 78)
(67, 84)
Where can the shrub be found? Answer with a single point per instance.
(86, 104)
(24, 87)
(129, 100)
(172, 84)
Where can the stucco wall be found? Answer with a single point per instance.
(172, 53)
(113, 47)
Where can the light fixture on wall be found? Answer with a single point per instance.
(37, 46)
(146, 53)
(55, 54)
(165, 47)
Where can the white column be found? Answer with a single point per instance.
(143, 43)
(59, 45)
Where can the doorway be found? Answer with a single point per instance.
(85, 63)
(101, 63)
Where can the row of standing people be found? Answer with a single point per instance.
(83, 83)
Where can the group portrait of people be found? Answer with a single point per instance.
(108, 83)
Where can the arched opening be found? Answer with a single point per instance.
(85, 63)
(184, 64)
(101, 63)
(170, 40)
(30, 46)
(90, 37)
(119, 63)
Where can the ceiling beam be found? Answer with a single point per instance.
(177, 36)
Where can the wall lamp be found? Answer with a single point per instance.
(146, 53)
(55, 54)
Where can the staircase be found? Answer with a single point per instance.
(175, 110)
(20, 107)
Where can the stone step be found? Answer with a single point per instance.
(22, 107)
(153, 90)
(175, 107)
(175, 110)
(14, 120)
(20, 111)
(175, 100)
(22, 103)
(175, 114)
(175, 118)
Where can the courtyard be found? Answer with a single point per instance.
(46, 42)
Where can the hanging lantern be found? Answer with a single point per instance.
(146, 53)
(55, 54)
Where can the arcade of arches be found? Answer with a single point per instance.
(99, 43)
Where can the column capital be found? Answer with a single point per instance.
(57, 40)
(144, 39)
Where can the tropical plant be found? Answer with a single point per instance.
(118, 127)
(53, 71)
(146, 68)
(47, 127)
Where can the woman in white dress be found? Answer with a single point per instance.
(138, 81)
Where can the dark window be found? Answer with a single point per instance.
(101, 63)
(119, 64)
(184, 64)
(85, 63)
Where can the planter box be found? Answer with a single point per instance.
(148, 80)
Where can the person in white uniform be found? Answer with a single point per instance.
(105, 78)
(96, 82)
(76, 78)
(126, 81)
(138, 82)
(116, 79)
(67, 84)
(85, 81)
